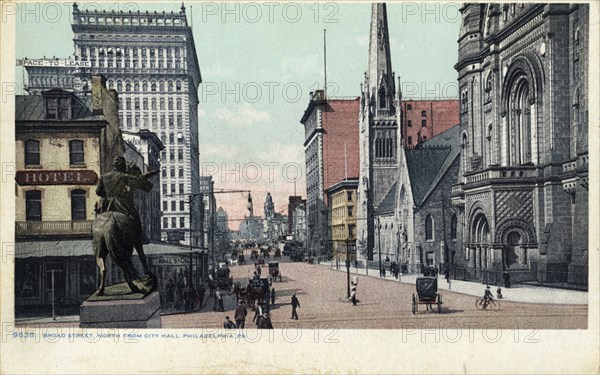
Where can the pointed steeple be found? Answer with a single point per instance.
(380, 81)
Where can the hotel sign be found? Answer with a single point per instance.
(37, 177)
(64, 63)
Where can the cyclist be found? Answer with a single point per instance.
(487, 296)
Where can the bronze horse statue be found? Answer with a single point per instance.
(115, 233)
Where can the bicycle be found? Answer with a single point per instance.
(492, 304)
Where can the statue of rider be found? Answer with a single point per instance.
(117, 189)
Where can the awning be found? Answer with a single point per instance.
(66, 248)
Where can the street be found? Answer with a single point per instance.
(383, 304)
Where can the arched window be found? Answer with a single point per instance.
(76, 154)
(33, 205)
(144, 86)
(119, 85)
(170, 86)
(429, 228)
(453, 227)
(521, 124)
(136, 86)
(128, 86)
(78, 211)
(382, 98)
(153, 86)
(32, 152)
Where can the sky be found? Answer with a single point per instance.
(259, 62)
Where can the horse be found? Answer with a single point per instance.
(112, 234)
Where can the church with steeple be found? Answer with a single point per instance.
(379, 137)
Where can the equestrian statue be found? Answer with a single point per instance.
(117, 228)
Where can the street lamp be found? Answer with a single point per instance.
(379, 243)
(348, 266)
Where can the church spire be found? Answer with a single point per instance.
(380, 81)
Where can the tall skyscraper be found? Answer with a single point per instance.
(150, 59)
(379, 131)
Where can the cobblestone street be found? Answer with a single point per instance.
(383, 304)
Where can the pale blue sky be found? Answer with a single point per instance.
(278, 48)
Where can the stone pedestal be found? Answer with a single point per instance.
(121, 313)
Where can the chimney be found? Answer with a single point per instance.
(98, 84)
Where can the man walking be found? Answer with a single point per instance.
(240, 315)
(295, 304)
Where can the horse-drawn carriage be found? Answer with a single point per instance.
(223, 280)
(255, 291)
(427, 294)
(274, 270)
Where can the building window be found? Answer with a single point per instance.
(162, 103)
(173, 206)
(349, 196)
(423, 113)
(171, 121)
(180, 155)
(180, 172)
(170, 104)
(165, 205)
(178, 86)
(182, 222)
(32, 152)
(424, 123)
(57, 108)
(409, 107)
(173, 222)
(172, 155)
(350, 209)
(181, 205)
(351, 229)
(145, 102)
(453, 227)
(76, 152)
(172, 172)
(409, 123)
(180, 188)
(33, 205)
(429, 228)
(136, 103)
(164, 188)
(128, 103)
(153, 104)
(164, 173)
(78, 205)
(173, 189)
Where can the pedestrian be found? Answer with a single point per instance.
(499, 293)
(295, 304)
(211, 287)
(187, 298)
(506, 277)
(228, 324)
(258, 314)
(273, 296)
(170, 294)
(240, 315)
(220, 300)
(201, 292)
(353, 285)
(265, 322)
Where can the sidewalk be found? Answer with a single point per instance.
(516, 293)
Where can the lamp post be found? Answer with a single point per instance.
(348, 267)
(379, 243)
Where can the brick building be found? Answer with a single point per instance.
(331, 149)
(523, 188)
(424, 119)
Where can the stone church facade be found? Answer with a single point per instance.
(523, 181)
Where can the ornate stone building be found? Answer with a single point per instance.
(379, 131)
(523, 183)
